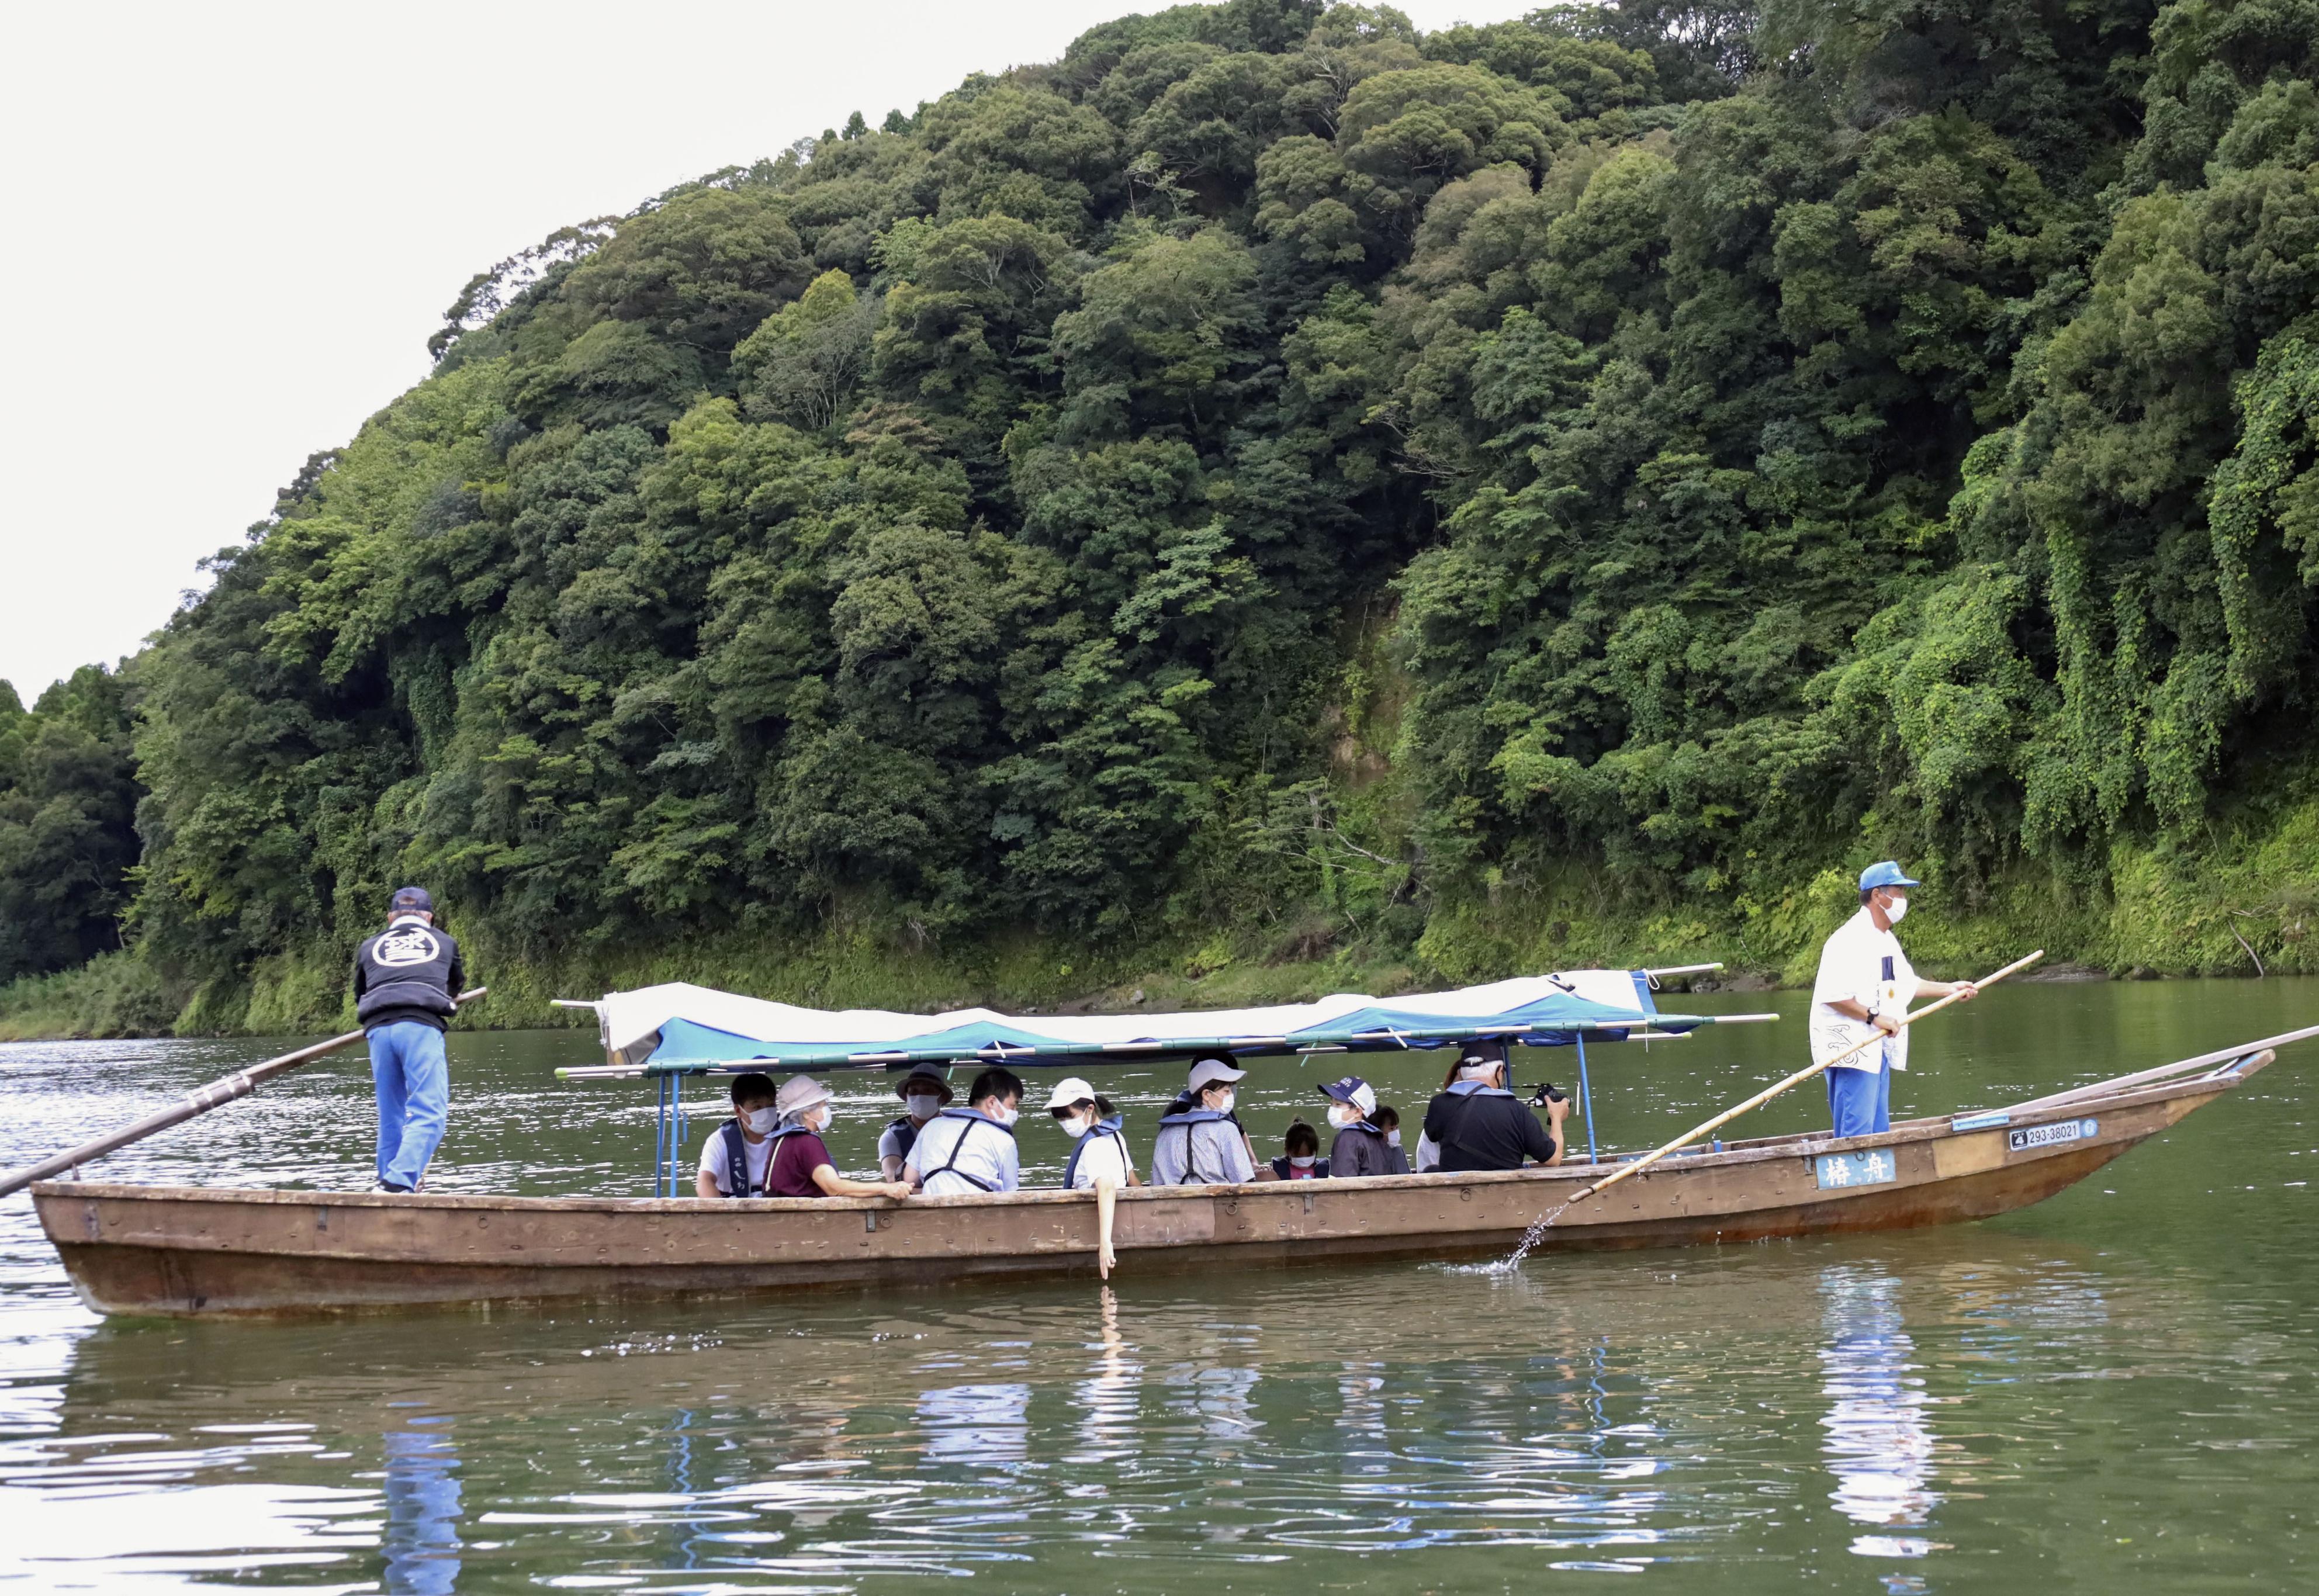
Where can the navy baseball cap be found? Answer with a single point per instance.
(413, 900)
(1886, 874)
(1354, 1090)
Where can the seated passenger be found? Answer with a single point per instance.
(1300, 1155)
(1388, 1119)
(1361, 1147)
(924, 1093)
(1199, 1142)
(1099, 1158)
(972, 1149)
(733, 1160)
(802, 1165)
(1478, 1124)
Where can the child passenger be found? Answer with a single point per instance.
(734, 1158)
(1300, 1154)
(1388, 1119)
(1359, 1147)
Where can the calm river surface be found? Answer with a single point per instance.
(2118, 1389)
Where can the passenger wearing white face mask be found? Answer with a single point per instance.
(1864, 985)
(964, 1150)
(1361, 1147)
(801, 1166)
(1099, 1161)
(1199, 1142)
(1388, 1119)
(924, 1093)
(735, 1159)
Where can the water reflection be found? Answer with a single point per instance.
(1397, 1426)
(1879, 1445)
(975, 1424)
(421, 1541)
(1106, 1398)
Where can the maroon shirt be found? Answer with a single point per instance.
(794, 1162)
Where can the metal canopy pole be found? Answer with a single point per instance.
(1586, 1097)
(660, 1139)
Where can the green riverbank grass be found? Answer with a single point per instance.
(2239, 900)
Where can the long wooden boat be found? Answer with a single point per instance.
(187, 1250)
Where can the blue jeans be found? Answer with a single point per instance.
(1860, 1100)
(414, 1098)
(420, 1540)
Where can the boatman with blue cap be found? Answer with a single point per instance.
(406, 983)
(1864, 985)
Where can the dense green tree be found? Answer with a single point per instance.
(1273, 458)
(69, 790)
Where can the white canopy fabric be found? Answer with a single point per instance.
(680, 1022)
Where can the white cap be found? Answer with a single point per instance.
(1207, 1072)
(798, 1094)
(1068, 1090)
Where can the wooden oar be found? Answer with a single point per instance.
(216, 1095)
(1798, 1079)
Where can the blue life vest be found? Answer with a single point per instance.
(950, 1166)
(906, 1134)
(1109, 1127)
(736, 1157)
(1187, 1119)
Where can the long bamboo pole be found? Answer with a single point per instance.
(1798, 1079)
(216, 1095)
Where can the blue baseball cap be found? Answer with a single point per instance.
(1886, 874)
(413, 900)
(1354, 1090)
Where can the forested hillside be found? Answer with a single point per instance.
(1273, 491)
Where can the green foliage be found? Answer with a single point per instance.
(1278, 485)
(69, 789)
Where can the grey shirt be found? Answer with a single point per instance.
(1356, 1151)
(1212, 1152)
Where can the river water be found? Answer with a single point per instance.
(2116, 1390)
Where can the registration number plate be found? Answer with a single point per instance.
(2052, 1135)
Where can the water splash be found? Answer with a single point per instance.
(1537, 1231)
(1530, 1239)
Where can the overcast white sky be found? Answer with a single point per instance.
(231, 226)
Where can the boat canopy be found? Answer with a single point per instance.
(681, 1029)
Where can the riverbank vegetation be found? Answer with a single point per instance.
(1275, 499)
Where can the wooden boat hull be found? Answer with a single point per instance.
(183, 1251)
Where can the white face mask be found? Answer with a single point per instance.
(1224, 1104)
(760, 1119)
(1303, 1161)
(1392, 1139)
(1345, 1113)
(828, 1118)
(1006, 1116)
(1897, 910)
(923, 1106)
(1074, 1129)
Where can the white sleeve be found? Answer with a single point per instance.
(886, 1140)
(1428, 1153)
(712, 1159)
(913, 1164)
(1010, 1167)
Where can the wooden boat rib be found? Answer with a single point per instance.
(186, 1251)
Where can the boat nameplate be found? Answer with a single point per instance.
(2030, 1137)
(1876, 1167)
